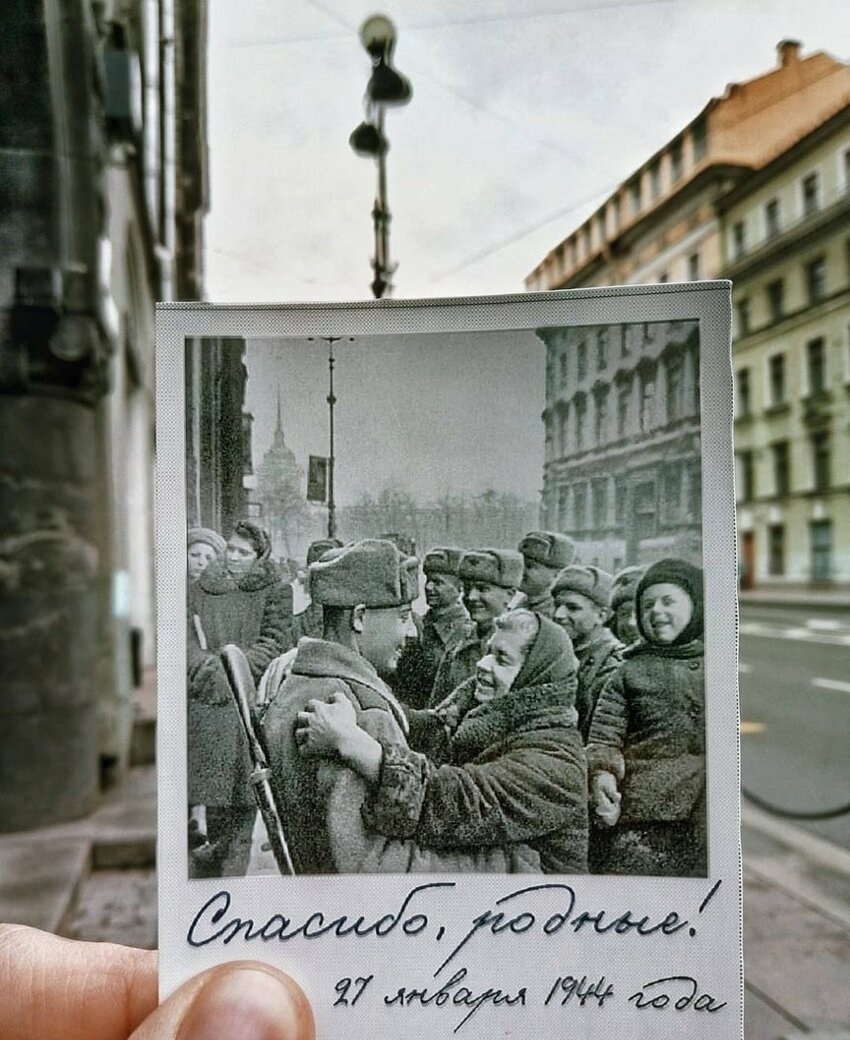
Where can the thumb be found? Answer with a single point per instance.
(239, 1001)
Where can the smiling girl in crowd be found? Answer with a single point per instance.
(646, 750)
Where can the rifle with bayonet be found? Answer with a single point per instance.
(242, 687)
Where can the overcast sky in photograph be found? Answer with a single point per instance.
(427, 413)
(525, 116)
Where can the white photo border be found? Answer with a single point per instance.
(712, 956)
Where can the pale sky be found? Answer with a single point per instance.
(427, 413)
(525, 115)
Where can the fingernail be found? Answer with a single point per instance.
(245, 1004)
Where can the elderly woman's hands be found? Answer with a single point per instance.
(326, 728)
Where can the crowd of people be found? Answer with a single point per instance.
(540, 716)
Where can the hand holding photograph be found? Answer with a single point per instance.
(456, 607)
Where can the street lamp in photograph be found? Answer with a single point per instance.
(387, 88)
(331, 399)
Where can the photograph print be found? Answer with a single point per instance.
(445, 603)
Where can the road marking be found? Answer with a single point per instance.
(752, 727)
(800, 635)
(832, 684)
(825, 625)
(743, 668)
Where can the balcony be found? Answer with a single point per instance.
(792, 236)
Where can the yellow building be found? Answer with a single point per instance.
(787, 249)
(756, 189)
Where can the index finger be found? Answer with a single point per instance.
(56, 989)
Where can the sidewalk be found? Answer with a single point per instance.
(796, 596)
(96, 880)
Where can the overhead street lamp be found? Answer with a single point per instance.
(331, 399)
(387, 88)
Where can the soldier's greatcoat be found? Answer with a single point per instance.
(439, 632)
(321, 800)
(597, 662)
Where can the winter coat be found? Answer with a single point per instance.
(649, 731)
(458, 665)
(255, 613)
(517, 771)
(543, 604)
(320, 800)
(597, 662)
(438, 633)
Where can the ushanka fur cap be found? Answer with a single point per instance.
(625, 583)
(206, 536)
(502, 567)
(318, 549)
(371, 572)
(686, 576)
(587, 581)
(442, 561)
(550, 548)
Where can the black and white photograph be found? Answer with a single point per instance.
(448, 691)
(445, 596)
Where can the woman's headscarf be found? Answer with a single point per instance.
(550, 657)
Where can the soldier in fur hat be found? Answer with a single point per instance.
(544, 554)
(581, 596)
(365, 590)
(490, 579)
(445, 624)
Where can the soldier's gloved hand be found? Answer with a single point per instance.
(605, 798)
(323, 726)
(56, 989)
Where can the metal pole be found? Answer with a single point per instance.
(331, 402)
(381, 217)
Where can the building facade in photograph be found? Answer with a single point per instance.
(676, 218)
(102, 198)
(787, 250)
(622, 419)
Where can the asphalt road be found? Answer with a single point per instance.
(795, 711)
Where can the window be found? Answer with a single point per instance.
(581, 416)
(634, 191)
(563, 519)
(742, 308)
(847, 169)
(602, 338)
(601, 418)
(821, 461)
(562, 434)
(772, 218)
(781, 468)
(655, 179)
(676, 160)
(776, 549)
(739, 239)
(563, 370)
(747, 471)
(816, 279)
(615, 205)
(581, 360)
(600, 220)
(621, 493)
(694, 273)
(580, 506)
(820, 540)
(600, 502)
(674, 390)
(623, 394)
(588, 243)
(776, 299)
(645, 511)
(816, 366)
(742, 396)
(664, 277)
(776, 372)
(811, 194)
(647, 399)
(672, 492)
(699, 137)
